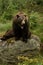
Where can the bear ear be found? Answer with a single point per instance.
(17, 16)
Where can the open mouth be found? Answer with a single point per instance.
(22, 27)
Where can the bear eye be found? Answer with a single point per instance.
(17, 16)
(25, 15)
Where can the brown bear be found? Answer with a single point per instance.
(20, 28)
(7, 35)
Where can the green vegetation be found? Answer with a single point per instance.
(36, 24)
(32, 62)
(5, 27)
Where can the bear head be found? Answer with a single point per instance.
(21, 19)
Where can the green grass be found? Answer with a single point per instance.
(32, 61)
(5, 26)
(38, 31)
(36, 24)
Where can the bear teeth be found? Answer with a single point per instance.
(22, 27)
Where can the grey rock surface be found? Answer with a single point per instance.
(10, 51)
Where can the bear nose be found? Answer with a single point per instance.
(23, 22)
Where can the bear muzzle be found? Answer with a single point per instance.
(22, 24)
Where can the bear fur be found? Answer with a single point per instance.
(20, 28)
(8, 34)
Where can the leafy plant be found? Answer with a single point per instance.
(34, 19)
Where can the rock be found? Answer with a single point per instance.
(9, 52)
